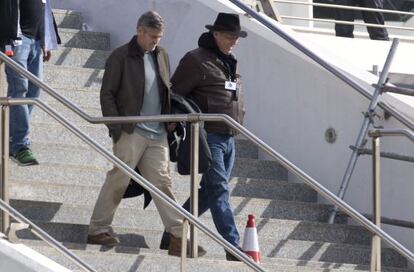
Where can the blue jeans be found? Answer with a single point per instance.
(214, 187)
(28, 55)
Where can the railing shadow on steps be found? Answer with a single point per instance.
(194, 118)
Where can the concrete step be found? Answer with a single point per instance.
(242, 204)
(270, 247)
(78, 57)
(84, 39)
(85, 158)
(85, 99)
(68, 18)
(268, 228)
(55, 133)
(75, 77)
(93, 255)
(61, 176)
(245, 148)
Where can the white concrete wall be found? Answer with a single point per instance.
(289, 9)
(19, 258)
(291, 101)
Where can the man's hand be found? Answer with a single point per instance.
(171, 127)
(46, 55)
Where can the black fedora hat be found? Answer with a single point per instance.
(228, 22)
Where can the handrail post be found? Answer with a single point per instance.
(364, 128)
(195, 131)
(376, 215)
(2, 79)
(4, 161)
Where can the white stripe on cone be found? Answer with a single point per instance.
(251, 244)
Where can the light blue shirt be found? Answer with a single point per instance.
(152, 101)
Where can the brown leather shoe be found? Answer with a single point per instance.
(105, 239)
(174, 248)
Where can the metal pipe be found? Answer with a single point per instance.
(5, 122)
(137, 178)
(250, 136)
(364, 128)
(345, 22)
(346, 208)
(392, 132)
(376, 182)
(274, 27)
(44, 236)
(345, 7)
(266, 22)
(398, 90)
(183, 261)
(195, 129)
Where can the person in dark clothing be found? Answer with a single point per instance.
(375, 33)
(8, 22)
(36, 36)
(209, 76)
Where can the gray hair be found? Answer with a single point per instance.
(151, 19)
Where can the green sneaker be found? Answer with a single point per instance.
(24, 157)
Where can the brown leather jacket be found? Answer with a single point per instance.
(201, 76)
(123, 84)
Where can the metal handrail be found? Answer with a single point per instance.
(376, 178)
(392, 132)
(215, 118)
(346, 7)
(275, 28)
(131, 173)
(44, 236)
(346, 22)
(233, 124)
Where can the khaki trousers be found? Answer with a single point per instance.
(152, 159)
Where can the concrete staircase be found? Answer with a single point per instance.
(60, 193)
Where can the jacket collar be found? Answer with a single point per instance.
(208, 42)
(135, 50)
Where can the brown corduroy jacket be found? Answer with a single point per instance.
(123, 84)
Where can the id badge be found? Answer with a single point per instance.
(44, 1)
(231, 86)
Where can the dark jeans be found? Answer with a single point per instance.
(214, 187)
(369, 17)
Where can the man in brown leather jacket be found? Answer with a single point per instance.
(209, 76)
(137, 82)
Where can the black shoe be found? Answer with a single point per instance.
(231, 257)
(165, 241)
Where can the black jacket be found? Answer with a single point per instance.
(180, 141)
(8, 21)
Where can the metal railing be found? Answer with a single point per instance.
(329, 67)
(192, 118)
(197, 118)
(376, 181)
(217, 118)
(348, 8)
(5, 102)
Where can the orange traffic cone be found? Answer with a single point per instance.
(250, 241)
